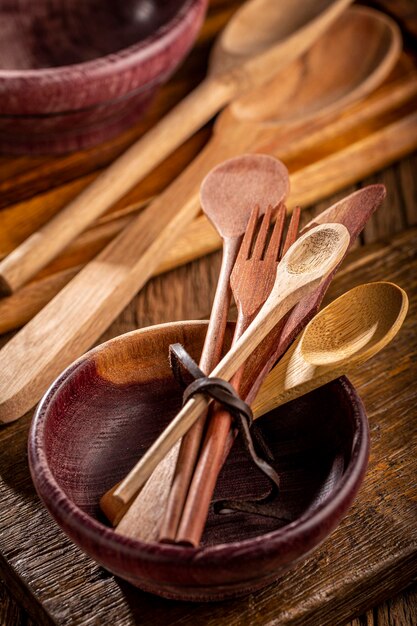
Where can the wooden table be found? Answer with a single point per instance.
(47, 580)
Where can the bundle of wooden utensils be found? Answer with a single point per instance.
(278, 283)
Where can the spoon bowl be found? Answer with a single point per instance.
(231, 190)
(262, 26)
(368, 45)
(355, 326)
(348, 332)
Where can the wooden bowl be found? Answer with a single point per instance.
(75, 73)
(103, 412)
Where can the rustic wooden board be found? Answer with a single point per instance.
(59, 585)
(371, 554)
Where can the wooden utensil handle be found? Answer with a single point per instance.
(216, 445)
(210, 356)
(179, 124)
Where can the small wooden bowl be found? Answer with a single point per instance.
(75, 73)
(104, 411)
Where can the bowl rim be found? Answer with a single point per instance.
(118, 59)
(80, 524)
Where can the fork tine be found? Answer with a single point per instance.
(292, 231)
(272, 250)
(246, 244)
(262, 234)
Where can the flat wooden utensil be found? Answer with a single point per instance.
(77, 316)
(312, 257)
(261, 39)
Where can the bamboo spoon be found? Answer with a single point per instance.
(262, 38)
(345, 334)
(77, 316)
(228, 194)
(311, 258)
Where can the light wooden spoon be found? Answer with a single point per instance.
(262, 37)
(345, 334)
(308, 261)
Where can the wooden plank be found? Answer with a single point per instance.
(371, 555)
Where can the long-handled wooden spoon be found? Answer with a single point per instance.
(345, 334)
(77, 316)
(345, 81)
(228, 194)
(262, 38)
(312, 257)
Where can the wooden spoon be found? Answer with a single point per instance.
(262, 38)
(345, 334)
(311, 258)
(86, 306)
(228, 194)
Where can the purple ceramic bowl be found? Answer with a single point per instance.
(75, 73)
(104, 411)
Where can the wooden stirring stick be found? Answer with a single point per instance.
(311, 258)
(252, 279)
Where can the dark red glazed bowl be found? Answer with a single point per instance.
(106, 409)
(73, 73)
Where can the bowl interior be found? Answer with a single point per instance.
(52, 33)
(115, 402)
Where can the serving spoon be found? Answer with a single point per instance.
(262, 37)
(345, 334)
(312, 257)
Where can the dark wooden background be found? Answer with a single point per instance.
(180, 294)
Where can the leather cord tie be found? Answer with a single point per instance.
(191, 378)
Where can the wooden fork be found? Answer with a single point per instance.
(252, 279)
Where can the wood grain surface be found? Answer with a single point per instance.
(57, 584)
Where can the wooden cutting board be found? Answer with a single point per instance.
(371, 554)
